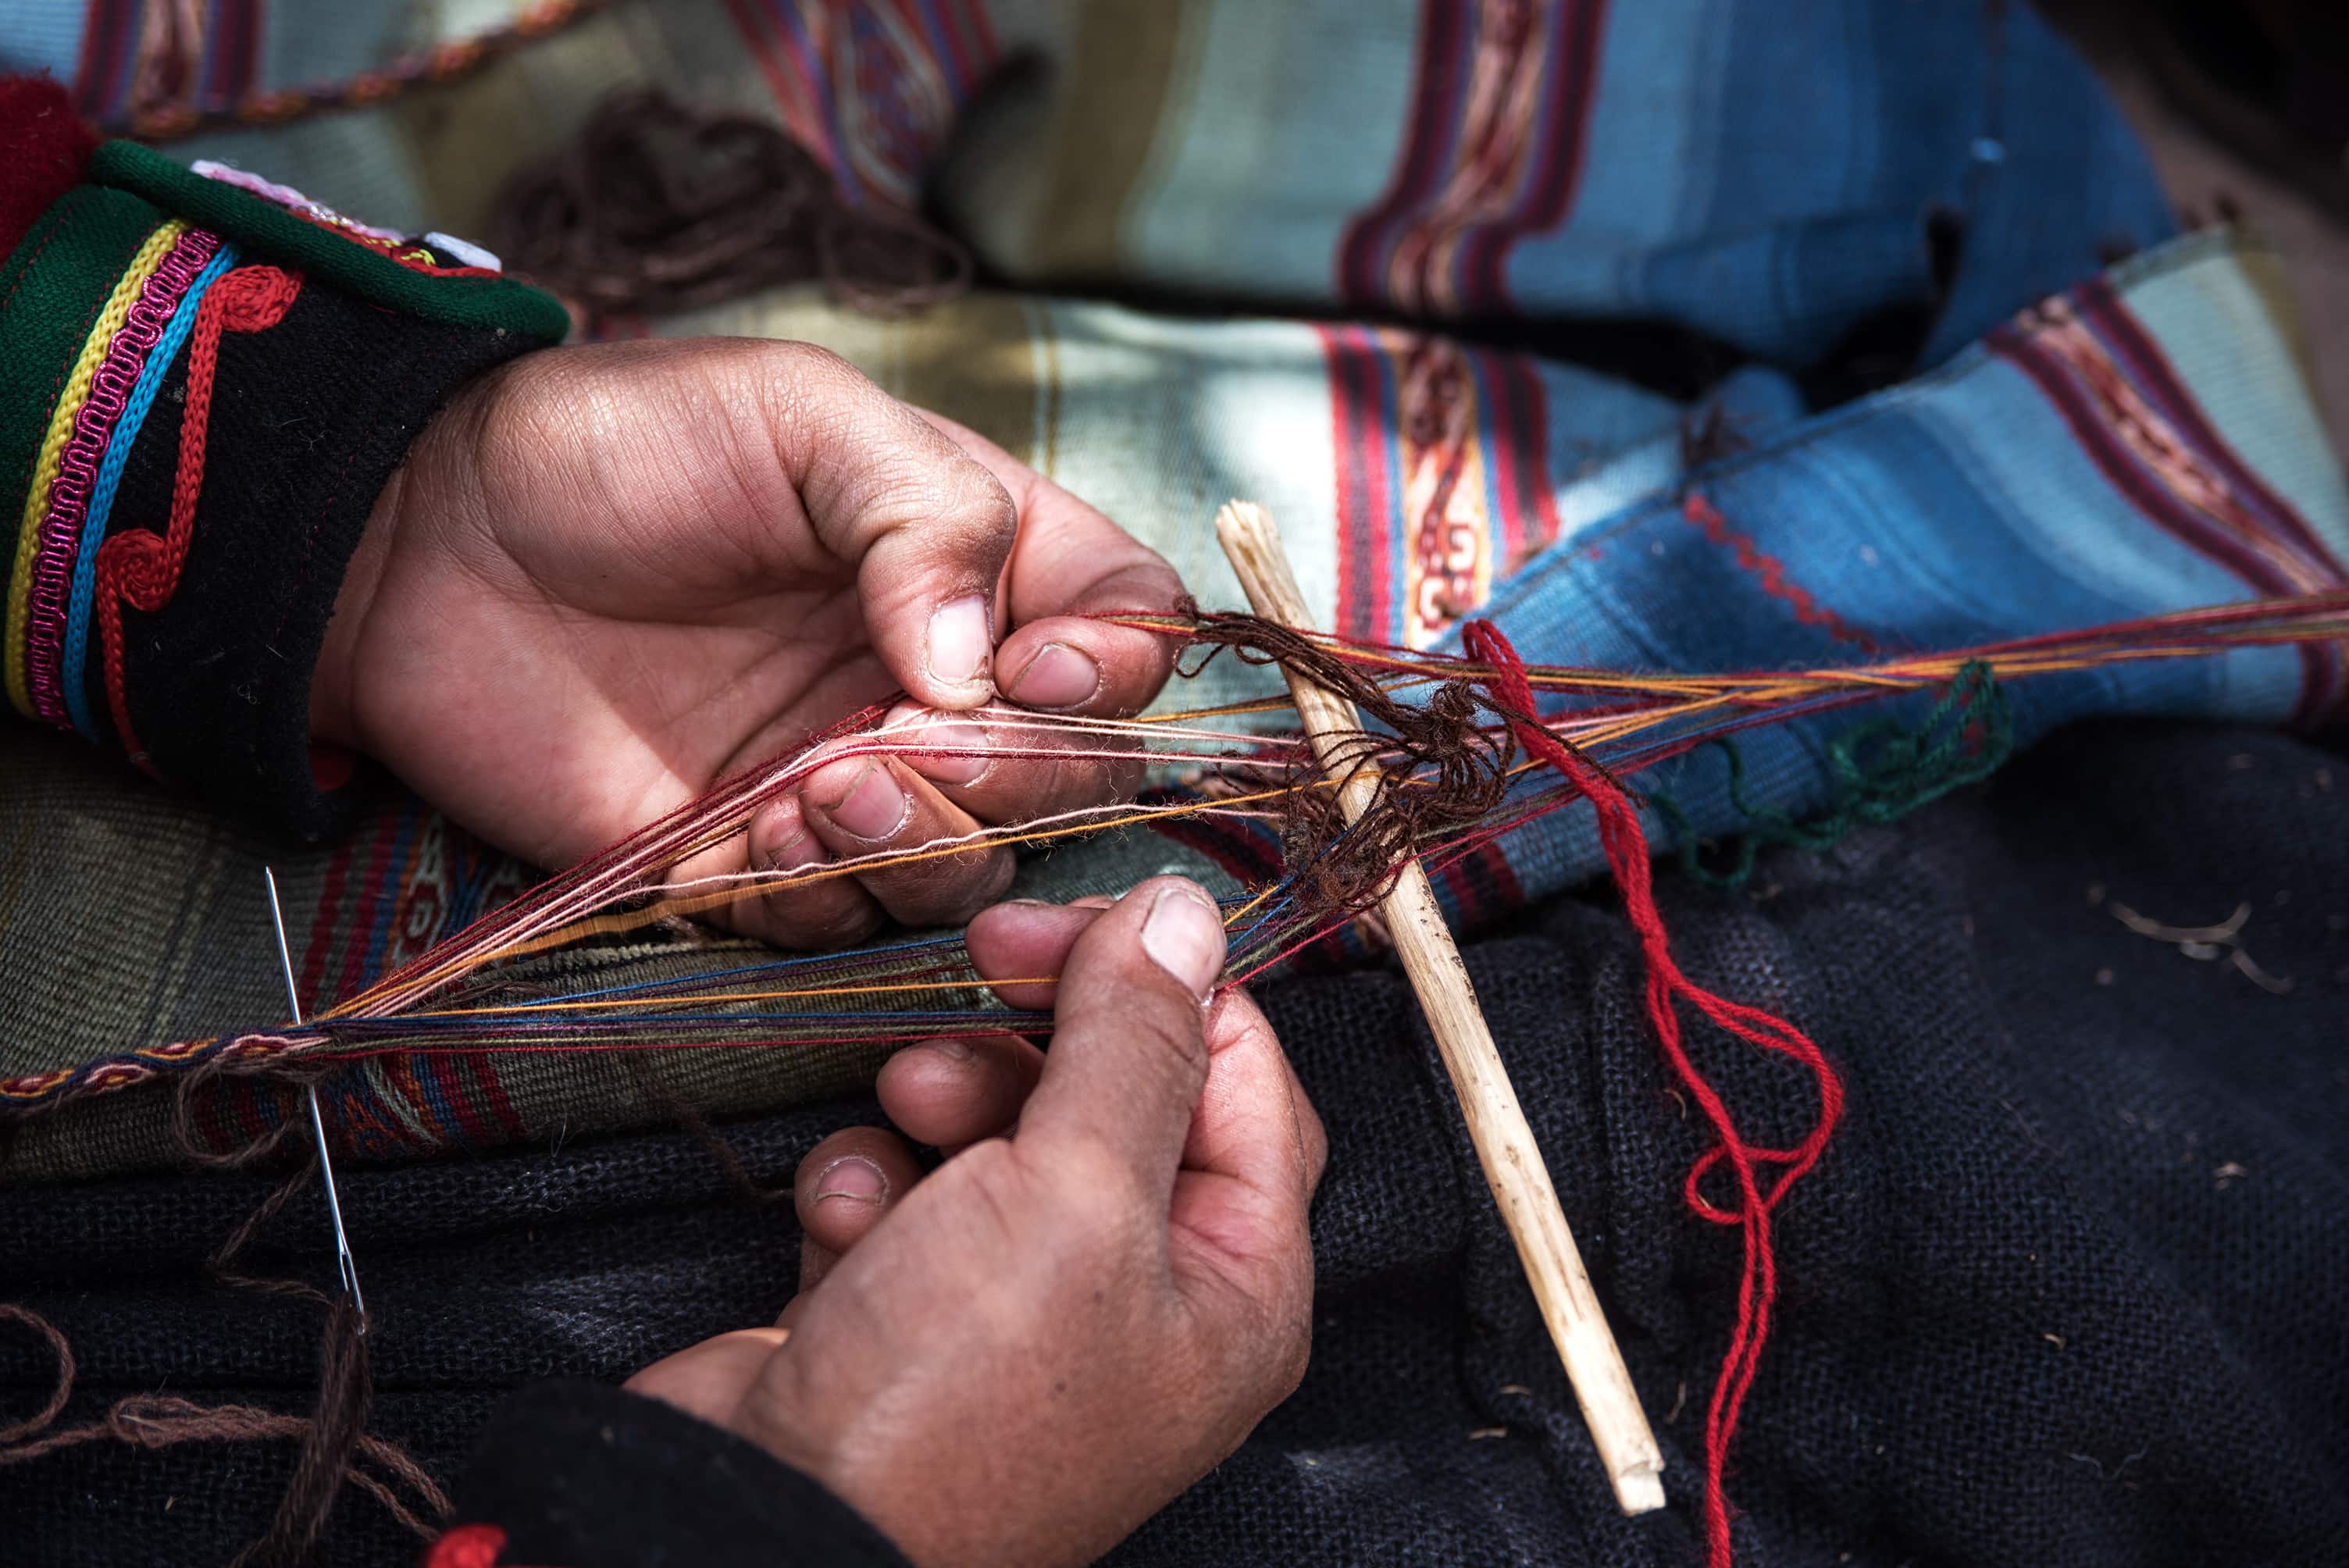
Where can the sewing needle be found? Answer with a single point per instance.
(343, 1259)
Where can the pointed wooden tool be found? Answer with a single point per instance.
(1496, 1123)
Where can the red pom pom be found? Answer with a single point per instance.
(44, 147)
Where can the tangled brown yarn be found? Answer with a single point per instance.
(656, 208)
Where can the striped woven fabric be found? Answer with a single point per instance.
(2078, 443)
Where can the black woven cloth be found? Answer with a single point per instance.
(2071, 1288)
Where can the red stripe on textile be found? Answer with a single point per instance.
(493, 1091)
(2122, 470)
(1557, 178)
(957, 50)
(2158, 380)
(1373, 612)
(972, 16)
(1349, 480)
(1427, 136)
(107, 26)
(372, 890)
(323, 924)
(399, 1079)
(790, 100)
(1521, 465)
(1770, 572)
(455, 1090)
(2154, 500)
(1625, 843)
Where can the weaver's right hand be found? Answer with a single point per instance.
(1020, 1357)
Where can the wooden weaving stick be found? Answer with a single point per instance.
(1496, 1123)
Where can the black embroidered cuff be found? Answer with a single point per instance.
(204, 384)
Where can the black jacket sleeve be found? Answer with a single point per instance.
(577, 1475)
(205, 382)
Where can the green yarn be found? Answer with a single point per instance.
(1883, 770)
(270, 232)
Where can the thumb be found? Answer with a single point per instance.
(927, 527)
(1129, 1052)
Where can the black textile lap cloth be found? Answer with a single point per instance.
(2072, 1287)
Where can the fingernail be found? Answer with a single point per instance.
(955, 737)
(1058, 677)
(954, 1050)
(961, 641)
(873, 807)
(1184, 936)
(800, 850)
(852, 1177)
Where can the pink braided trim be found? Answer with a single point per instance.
(94, 422)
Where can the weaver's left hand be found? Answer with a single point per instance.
(608, 576)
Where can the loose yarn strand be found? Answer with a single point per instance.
(406, 1490)
(1626, 845)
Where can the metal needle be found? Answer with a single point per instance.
(342, 1260)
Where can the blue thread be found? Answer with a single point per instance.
(71, 676)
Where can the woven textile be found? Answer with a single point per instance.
(1956, 509)
(2107, 446)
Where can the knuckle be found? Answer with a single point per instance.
(816, 921)
(947, 890)
(810, 376)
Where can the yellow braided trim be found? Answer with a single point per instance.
(61, 424)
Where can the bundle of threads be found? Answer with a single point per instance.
(1465, 752)
(1451, 787)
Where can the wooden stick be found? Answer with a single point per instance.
(1496, 1123)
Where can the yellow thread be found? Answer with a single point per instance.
(53, 445)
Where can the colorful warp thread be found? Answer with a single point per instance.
(101, 419)
(470, 992)
(49, 463)
(142, 568)
(1627, 856)
(924, 987)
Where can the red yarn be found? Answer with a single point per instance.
(44, 145)
(468, 1547)
(1627, 854)
(138, 566)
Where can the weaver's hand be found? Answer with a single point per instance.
(608, 576)
(1024, 1355)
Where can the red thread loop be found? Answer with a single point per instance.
(138, 566)
(1625, 843)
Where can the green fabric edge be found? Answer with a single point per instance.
(57, 280)
(271, 231)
